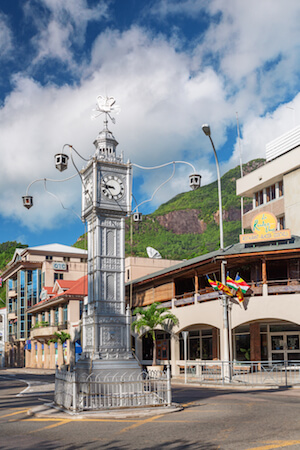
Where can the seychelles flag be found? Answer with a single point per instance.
(242, 284)
(231, 283)
(214, 284)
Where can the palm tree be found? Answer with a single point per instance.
(149, 318)
(61, 337)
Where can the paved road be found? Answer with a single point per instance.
(211, 419)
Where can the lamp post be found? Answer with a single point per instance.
(206, 131)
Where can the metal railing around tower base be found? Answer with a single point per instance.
(111, 391)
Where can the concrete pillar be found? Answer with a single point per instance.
(33, 320)
(174, 355)
(27, 358)
(255, 348)
(264, 277)
(265, 200)
(52, 317)
(60, 354)
(47, 316)
(52, 355)
(254, 202)
(215, 344)
(39, 317)
(139, 347)
(277, 190)
(46, 355)
(39, 355)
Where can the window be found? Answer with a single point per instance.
(280, 186)
(66, 258)
(58, 276)
(281, 222)
(49, 258)
(259, 198)
(199, 345)
(272, 192)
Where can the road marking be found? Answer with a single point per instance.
(76, 420)
(279, 444)
(13, 414)
(138, 424)
(61, 422)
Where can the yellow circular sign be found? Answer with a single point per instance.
(263, 223)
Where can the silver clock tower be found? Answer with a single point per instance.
(106, 200)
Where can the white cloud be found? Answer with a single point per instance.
(61, 25)
(165, 96)
(6, 37)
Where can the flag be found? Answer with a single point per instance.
(231, 283)
(240, 295)
(212, 283)
(0, 282)
(222, 287)
(242, 284)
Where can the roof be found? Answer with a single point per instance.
(57, 248)
(64, 284)
(79, 289)
(231, 250)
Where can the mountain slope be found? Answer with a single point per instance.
(188, 224)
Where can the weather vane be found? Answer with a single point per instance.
(106, 105)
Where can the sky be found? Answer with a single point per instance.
(171, 66)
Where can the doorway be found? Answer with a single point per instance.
(284, 346)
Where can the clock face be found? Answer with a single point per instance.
(112, 187)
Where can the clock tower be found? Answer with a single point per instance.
(106, 200)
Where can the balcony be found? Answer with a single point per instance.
(12, 315)
(46, 331)
(43, 331)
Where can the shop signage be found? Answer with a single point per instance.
(59, 265)
(264, 229)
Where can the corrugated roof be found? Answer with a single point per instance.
(235, 249)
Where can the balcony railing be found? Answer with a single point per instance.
(288, 286)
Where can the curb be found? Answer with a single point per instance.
(51, 410)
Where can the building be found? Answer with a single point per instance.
(266, 324)
(136, 267)
(29, 272)
(3, 327)
(275, 186)
(60, 309)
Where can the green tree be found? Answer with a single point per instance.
(61, 337)
(149, 319)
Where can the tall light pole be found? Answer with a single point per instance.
(206, 131)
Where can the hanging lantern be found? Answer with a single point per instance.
(137, 217)
(61, 161)
(27, 201)
(195, 181)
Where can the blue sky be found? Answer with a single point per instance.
(171, 65)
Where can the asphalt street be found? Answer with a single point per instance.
(210, 419)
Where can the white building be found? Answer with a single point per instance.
(275, 186)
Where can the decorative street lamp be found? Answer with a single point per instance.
(206, 131)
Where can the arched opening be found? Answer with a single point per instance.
(203, 343)
(266, 340)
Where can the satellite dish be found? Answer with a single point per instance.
(152, 253)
